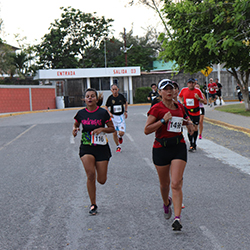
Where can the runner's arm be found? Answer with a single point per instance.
(152, 125)
(126, 110)
(109, 129)
(76, 128)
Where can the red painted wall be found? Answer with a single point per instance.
(43, 99)
(18, 100)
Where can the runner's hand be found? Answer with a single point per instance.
(96, 131)
(167, 116)
(75, 130)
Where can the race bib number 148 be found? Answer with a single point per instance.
(175, 124)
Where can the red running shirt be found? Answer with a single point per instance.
(158, 111)
(212, 88)
(190, 101)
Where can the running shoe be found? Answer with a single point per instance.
(93, 209)
(200, 137)
(182, 206)
(118, 149)
(191, 149)
(120, 140)
(177, 224)
(167, 209)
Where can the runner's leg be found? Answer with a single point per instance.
(102, 169)
(177, 170)
(89, 166)
(164, 178)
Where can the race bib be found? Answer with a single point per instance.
(100, 139)
(175, 124)
(211, 89)
(189, 102)
(153, 97)
(117, 108)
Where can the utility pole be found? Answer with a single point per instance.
(105, 52)
(124, 48)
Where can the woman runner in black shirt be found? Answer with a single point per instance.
(94, 148)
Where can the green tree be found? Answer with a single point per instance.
(6, 59)
(209, 32)
(143, 50)
(74, 40)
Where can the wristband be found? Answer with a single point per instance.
(126, 111)
(162, 121)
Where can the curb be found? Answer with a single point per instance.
(227, 125)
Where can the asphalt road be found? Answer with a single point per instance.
(44, 200)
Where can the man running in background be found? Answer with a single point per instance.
(153, 94)
(118, 113)
(190, 98)
(212, 88)
(218, 92)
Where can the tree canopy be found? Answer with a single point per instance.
(73, 40)
(209, 32)
(83, 40)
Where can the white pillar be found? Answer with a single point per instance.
(111, 81)
(30, 97)
(218, 69)
(130, 90)
(88, 83)
(125, 87)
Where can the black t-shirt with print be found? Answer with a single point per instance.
(153, 95)
(116, 104)
(91, 120)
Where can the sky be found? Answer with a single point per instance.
(31, 19)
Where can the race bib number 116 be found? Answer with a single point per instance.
(100, 139)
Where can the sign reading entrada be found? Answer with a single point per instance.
(88, 73)
(66, 73)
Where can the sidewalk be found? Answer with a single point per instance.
(237, 122)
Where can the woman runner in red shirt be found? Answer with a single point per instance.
(166, 119)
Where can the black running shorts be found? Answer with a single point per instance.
(195, 119)
(164, 155)
(100, 152)
(202, 111)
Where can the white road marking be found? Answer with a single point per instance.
(211, 237)
(5, 145)
(150, 164)
(223, 154)
(129, 136)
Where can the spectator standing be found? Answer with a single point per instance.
(238, 90)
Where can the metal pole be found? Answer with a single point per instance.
(125, 48)
(206, 88)
(105, 57)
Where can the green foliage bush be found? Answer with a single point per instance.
(141, 94)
